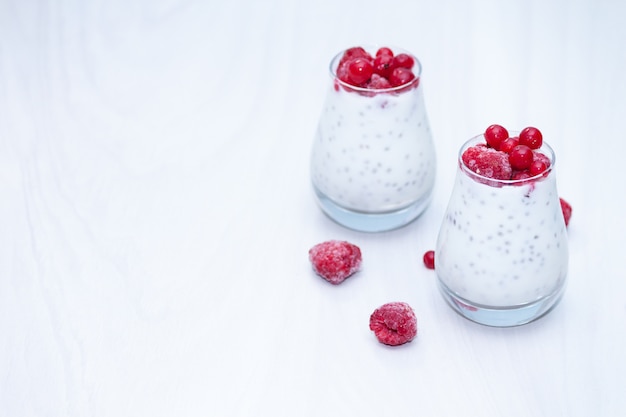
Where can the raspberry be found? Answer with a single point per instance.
(394, 323)
(531, 137)
(521, 157)
(378, 82)
(566, 208)
(495, 135)
(487, 162)
(335, 260)
(429, 259)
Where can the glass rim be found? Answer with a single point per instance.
(545, 148)
(369, 48)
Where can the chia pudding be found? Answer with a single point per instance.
(373, 151)
(503, 243)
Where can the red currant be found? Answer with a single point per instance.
(521, 157)
(354, 52)
(403, 61)
(383, 65)
(400, 76)
(384, 51)
(537, 167)
(429, 259)
(507, 145)
(495, 135)
(531, 137)
(360, 70)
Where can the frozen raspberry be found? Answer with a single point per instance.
(335, 260)
(566, 208)
(394, 323)
(429, 259)
(378, 82)
(487, 162)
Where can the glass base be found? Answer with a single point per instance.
(502, 316)
(371, 222)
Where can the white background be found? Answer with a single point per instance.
(156, 211)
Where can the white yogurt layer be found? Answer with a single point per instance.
(502, 246)
(374, 153)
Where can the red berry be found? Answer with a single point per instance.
(383, 65)
(403, 61)
(520, 175)
(335, 260)
(342, 72)
(394, 323)
(401, 76)
(521, 157)
(384, 51)
(566, 208)
(494, 135)
(429, 259)
(507, 145)
(378, 82)
(359, 71)
(487, 162)
(354, 52)
(538, 156)
(537, 167)
(531, 137)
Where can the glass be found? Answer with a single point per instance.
(502, 251)
(373, 159)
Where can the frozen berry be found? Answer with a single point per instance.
(566, 208)
(507, 145)
(531, 137)
(394, 323)
(335, 260)
(538, 156)
(487, 162)
(359, 70)
(429, 259)
(495, 135)
(521, 157)
(378, 82)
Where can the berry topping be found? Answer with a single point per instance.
(507, 145)
(335, 260)
(531, 137)
(403, 61)
(521, 157)
(394, 323)
(429, 259)
(566, 208)
(400, 76)
(487, 162)
(538, 156)
(359, 69)
(494, 135)
(537, 167)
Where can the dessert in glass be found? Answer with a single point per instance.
(373, 158)
(502, 252)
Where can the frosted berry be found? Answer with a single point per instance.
(394, 323)
(495, 135)
(335, 260)
(507, 145)
(566, 208)
(487, 162)
(521, 157)
(359, 70)
(429, 259)
(531, 137)
(378, 82)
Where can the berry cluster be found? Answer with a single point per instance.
(505, 157)
(359, 68)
